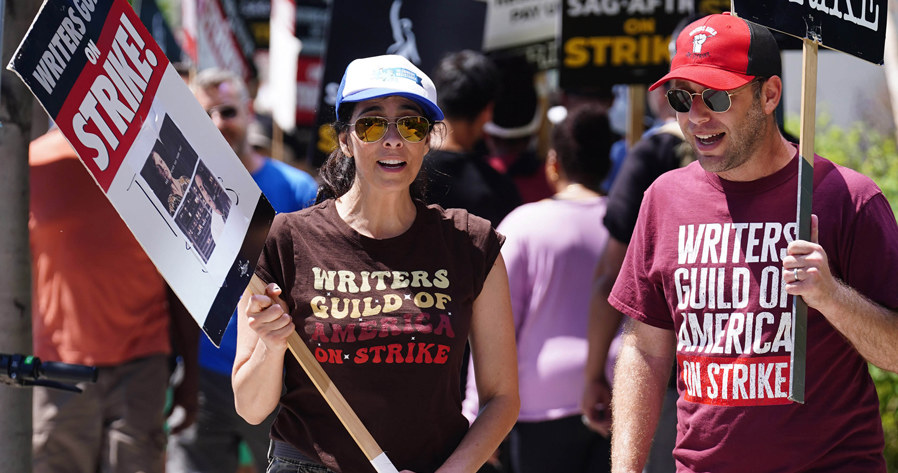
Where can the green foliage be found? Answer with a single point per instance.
(170, 10)
(860, 148)
(875, 155)
(887, 388)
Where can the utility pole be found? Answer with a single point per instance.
(15, 275)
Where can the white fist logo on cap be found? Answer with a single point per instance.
(697, 42)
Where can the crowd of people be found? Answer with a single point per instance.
(487, 307)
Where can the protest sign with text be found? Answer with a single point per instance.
(527, 28)
(617, 42)
(164, 166)
(150, 147)
(414, 30)
(856, 27)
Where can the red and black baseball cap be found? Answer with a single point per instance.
(723, 52)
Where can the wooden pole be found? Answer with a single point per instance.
(803, 211)
(277, 141)
(331, 394)
(635, 113)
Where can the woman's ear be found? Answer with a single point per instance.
(343, 140)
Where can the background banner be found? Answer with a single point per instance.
(416, 30)
(617, 42)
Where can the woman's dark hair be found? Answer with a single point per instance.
(338, 172)
(582, 143)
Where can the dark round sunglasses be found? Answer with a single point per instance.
(716, 100)
(373, 129)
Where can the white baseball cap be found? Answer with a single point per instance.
(382, 76)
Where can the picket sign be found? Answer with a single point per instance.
(163, 165)
(856, 27)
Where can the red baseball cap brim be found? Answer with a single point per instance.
(707, 76)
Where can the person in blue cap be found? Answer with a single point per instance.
(385, 290)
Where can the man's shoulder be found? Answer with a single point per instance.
(288, 187)
(289, 172)
(832, 178)
(681, 176)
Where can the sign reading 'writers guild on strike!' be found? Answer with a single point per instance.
(151, 148)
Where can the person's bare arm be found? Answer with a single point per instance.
(495, 369)
(642, 372)
(262, 331)
(604, 321)
(870, 327)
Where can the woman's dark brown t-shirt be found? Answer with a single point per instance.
(388, 321)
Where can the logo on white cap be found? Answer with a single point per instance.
(380, 76)
(396, 73)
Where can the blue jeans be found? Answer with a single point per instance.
(287, 465)
(283, 458)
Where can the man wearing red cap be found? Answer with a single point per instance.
(710, 270)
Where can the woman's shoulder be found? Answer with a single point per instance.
(303, 218)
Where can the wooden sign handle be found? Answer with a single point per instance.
(803, 212)
(635, 113)
(331, 394)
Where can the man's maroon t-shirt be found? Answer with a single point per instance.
(705, 261)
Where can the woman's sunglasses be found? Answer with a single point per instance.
(373, 129)
(716, 100)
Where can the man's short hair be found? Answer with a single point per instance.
(214, 77)
(467, 82)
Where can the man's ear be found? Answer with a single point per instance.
(771, 94)
(486, 115)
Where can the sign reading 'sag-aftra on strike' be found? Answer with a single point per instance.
(152, 149)
(617, 41)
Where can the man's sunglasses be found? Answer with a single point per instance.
(716, 100)
(373, 129)
(225, 111)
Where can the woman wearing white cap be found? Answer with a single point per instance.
(385, 291)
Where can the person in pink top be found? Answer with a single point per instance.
(712, 265)
(551, 250)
